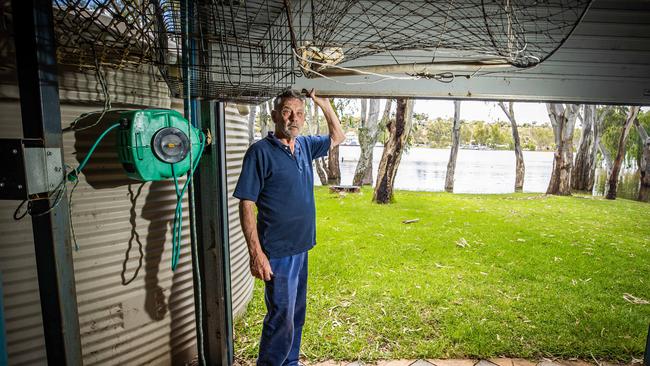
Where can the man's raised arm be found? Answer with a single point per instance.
(333, 124)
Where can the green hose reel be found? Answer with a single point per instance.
(156, 144)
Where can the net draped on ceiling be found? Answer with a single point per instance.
(250, 50)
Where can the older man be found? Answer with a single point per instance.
(277, 177)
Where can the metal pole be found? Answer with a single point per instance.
(41, 116)
(211, 252)
(646, 355)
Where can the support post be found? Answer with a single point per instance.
(41, 118)
(646, 355)
(209, 207)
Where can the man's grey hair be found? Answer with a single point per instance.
(287, 94)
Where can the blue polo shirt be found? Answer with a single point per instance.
(282, 186)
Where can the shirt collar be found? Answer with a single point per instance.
(274, 140)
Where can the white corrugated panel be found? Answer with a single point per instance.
(20, 295)
(22, 303)
(133, 309)
(236, 145)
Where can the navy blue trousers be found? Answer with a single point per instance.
(285, 296)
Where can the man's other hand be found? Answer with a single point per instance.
(260, 267)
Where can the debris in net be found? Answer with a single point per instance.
(635, 300)
(463, 243)
(410, 221)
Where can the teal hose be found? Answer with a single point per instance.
(177, 226)
(92, 150)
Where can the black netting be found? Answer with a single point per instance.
(521, 33)
(249, 50)
(242, 48)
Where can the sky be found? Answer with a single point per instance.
(525, 112)
(483, 111)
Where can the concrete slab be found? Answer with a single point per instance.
(421, 363)
(453, 362)
(395, 363)
(522, 362)
(502, 361)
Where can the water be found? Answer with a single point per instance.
(477, 171)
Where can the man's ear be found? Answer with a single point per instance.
(274, 115)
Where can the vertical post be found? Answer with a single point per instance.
(3, 332)
(41, 115)
(646, 355)
(209, 207)
(211, 199)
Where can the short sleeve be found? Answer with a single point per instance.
(319, 145)
(251, 179)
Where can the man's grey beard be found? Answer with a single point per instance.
(286, 131)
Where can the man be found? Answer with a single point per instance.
(277, 177)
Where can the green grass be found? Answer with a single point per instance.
(543, 276)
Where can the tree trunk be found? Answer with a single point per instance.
(251, 124)
(333, 167)
(598, 120)
(368, 134)
(321, 170)
(266, 123)
(582, 168)
(455, 141)
(520, 169)
(612, 183)
(644, 166)
(320, 163)
(563, 119)
(390, 159)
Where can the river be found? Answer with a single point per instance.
(477, 171)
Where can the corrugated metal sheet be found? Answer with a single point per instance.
(236, 145)
(24, 322)
(22, 302)
(133, 309)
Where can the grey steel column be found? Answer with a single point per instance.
(211, 254)
(41, 115)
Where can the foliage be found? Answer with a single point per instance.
(613, 126)
(520, 275)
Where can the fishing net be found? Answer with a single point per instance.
(250, 50)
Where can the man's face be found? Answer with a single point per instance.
(290, 118)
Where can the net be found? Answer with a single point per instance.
(251, 50)
(516, 33)
(241, 48)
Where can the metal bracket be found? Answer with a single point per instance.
(13, 185)
(29, 169)
(43, 169)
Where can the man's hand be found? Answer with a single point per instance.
(333, 124)
(260, 267)
(321, 102)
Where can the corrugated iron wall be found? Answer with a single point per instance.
(22, 301)
(133, 309)
(236, 145)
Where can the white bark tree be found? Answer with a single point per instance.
(399, 131)
(612, 183)
(251, 124)
(520, 168)
(563, 119)
(582, 166)
(371, 127)
(453, 155)
(644, 166)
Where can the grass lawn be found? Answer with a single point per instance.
(517, 275)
